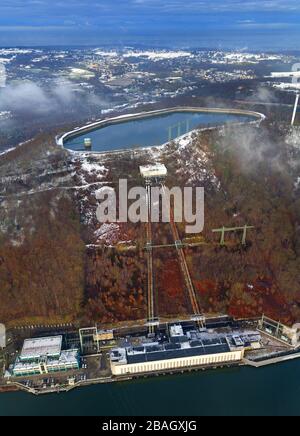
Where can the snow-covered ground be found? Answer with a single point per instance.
(157, 55)
(93, 168)
(199, 169)
(107, 233)
(287, 86)
(242, 58)
(4, 115)
(89, 170)
(108, 54)
(17, 51)
(287, 74)
(293, 138)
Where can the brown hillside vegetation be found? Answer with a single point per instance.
(115, 285)
(258, 188)
(250, 177)
(56, 265)
(41, 270)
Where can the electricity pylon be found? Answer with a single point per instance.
(181, 127)
(225, 230)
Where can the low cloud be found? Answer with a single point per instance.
(263, 95)
(25, 96)
(254, 147)
(28, 97)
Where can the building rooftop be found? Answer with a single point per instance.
(40, 347)
(180, 345)
(176, 330)
(176, 351)
(66, 358)
(157, 170)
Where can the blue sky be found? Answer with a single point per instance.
(260, 24)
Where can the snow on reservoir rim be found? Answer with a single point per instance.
(151, 128)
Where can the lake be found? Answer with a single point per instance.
(151, 131)
(245, 391)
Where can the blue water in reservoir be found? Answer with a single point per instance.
(271, 391)
(150, 131)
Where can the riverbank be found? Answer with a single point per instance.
(268, 361)
(236, 391)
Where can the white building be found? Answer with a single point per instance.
(66, 361)
(153, 171)
(184, 350)
(41, 347)
(122, 365)
(44, 355)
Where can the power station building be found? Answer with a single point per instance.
(190, 349)
(156, 171)
(45, 355)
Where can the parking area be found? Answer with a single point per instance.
(92, 367)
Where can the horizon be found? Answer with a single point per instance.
(252, 25)
(107, 46)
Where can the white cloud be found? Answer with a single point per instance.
(29, 97)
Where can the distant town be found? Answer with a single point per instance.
(83, 84)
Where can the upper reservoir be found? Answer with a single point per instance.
(149, 129)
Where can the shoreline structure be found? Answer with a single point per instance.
(100, 124)
(17, 387)
(290, 353)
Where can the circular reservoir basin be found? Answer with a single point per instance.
(149, 129)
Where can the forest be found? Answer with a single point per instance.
(55, 267)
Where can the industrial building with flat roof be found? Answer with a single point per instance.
(182, 350)
(153, 171)
(41, 347)
(44, 355)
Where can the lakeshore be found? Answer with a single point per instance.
(268, 361)
(152, 128)
(242, 391)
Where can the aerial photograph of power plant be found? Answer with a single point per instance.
(149, 211)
